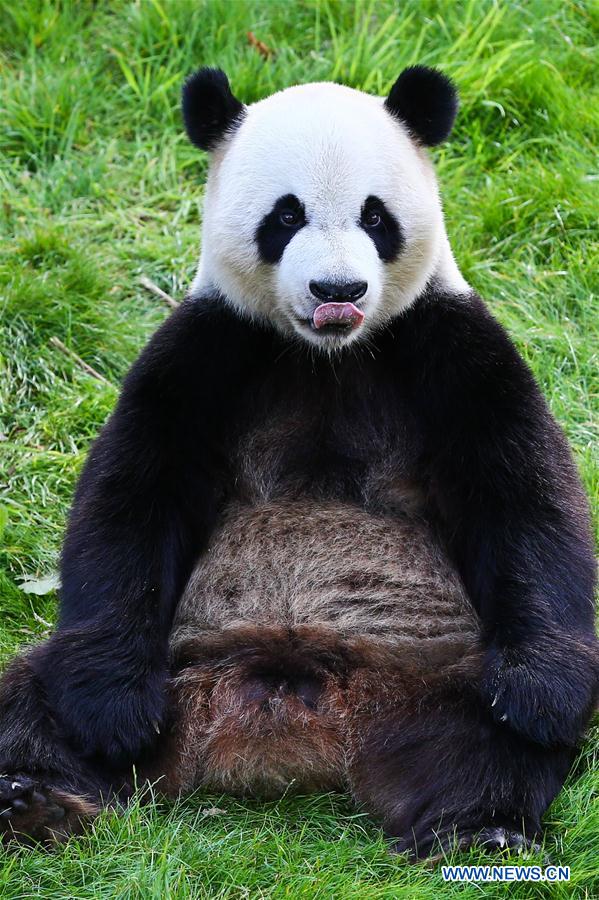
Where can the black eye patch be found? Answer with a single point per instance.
(277, 228)
(382, 227)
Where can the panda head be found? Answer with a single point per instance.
(322, 214)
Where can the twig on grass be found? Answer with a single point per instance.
(37, 618)
(56, 342)
(260, 46)
(154, 289)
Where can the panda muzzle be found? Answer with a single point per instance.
(337, 316)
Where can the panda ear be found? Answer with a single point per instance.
(426, 101)
(210, 111)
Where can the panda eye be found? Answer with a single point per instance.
(382, 228)
(290, 217)
(371, 218)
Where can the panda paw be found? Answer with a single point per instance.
(107, 701)
(107, 714)
(117, 729)
(544, 694)
(33, 811)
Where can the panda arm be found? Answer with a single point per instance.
(144, 508)
(514, 515)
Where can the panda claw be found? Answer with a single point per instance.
(499, 838)
(22, 786)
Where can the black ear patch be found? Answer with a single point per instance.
(426, 101)
(210, 111)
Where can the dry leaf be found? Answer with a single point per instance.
(40, 586)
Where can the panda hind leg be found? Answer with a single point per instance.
(439, 772)
(47, 792)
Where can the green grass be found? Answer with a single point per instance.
(98, 186)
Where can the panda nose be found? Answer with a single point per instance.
(340, 292)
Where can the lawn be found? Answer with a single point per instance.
(99, 187)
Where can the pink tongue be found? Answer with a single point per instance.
(337, 314)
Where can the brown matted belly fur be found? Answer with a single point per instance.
(302, 620)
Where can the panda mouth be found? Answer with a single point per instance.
(332, 318)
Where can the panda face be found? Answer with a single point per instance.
(321, 216)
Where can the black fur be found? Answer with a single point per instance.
(273, 235)
(426, 100)
(386, 235)
(210, 111)
(443, 389)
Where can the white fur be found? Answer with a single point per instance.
(332, 147)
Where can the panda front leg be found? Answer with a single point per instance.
(441, 772)
(47, 792)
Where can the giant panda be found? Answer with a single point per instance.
(331, 538)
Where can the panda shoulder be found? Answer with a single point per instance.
(205, 340)
(458, 320)
(455, 347)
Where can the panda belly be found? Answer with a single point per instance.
(328, 565)
(297, 616)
